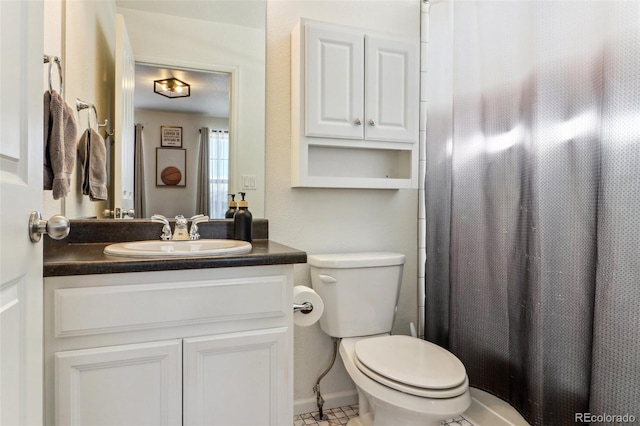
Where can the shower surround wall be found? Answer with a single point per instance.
(422, 165)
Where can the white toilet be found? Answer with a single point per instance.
(401, 380)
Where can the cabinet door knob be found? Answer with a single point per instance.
(357, 121)
(372, 122)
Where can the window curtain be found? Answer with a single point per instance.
(203, 195)
(533, 202)
(138, 174)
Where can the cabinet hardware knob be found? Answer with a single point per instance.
(372, 122)
(357, 121)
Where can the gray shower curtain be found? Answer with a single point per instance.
(533, 202)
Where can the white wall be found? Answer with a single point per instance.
(89, 46)
(333, 220)
(86, 46)
(204, 45)
(168, 200)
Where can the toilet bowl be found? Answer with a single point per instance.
(401, 380)
(433, 393)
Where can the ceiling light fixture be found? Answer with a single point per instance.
(172, 88)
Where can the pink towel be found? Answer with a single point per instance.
(60, 131)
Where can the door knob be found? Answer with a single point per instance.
(57, 227)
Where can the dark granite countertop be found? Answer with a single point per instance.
(82, 253)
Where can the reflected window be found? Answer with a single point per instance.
(218, 172)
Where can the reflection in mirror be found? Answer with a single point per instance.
(174, 131)
(225, 36)
(222, 36)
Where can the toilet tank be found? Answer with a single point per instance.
(359, 291)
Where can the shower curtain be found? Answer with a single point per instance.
(533, 202)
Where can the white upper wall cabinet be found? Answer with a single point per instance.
(355, 105)
(392, 101)
(334, 83)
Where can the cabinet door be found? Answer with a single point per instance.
(392, 90)
(138, 384)
(334, 83)
(238, 379)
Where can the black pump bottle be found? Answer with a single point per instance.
(242, 221)
(232, 207)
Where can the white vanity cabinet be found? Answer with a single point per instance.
(192, 347)
(354, 108)
(117, 385)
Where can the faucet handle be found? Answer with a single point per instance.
(199, 218)
(166, 229)
(195, 220)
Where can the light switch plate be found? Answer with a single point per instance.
(248, 181)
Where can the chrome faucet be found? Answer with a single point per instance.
(180, 232)
(166, 229)
(195, 220)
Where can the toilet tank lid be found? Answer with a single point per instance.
(355, 260)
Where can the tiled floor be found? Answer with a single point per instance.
(335, 417)
(340, 416)
(457, 421)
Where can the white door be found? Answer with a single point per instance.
(139, 384)
(392, 90)
(21, 94)
(334, 83)
(237, 379)
(125, 77)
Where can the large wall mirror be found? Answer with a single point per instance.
(218, 48)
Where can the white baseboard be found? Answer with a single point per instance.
(331, 400)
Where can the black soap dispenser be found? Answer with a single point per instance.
(242, 221)
(233, 206)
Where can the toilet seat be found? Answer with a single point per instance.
(412, 366)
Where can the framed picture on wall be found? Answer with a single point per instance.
(171, 167)
(171, 136)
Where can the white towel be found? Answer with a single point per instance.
(92, 154)
(60, 130)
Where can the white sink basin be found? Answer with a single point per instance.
(197, 248)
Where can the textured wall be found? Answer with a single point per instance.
(333, 220)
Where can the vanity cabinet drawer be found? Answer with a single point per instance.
(84, 310)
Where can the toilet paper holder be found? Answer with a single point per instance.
(305, 307)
